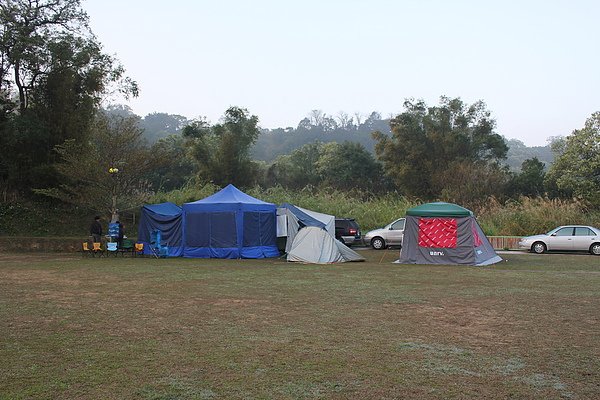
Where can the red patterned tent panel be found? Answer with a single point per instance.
(437, 232)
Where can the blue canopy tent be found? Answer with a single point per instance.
(229, 224)
(165, 221)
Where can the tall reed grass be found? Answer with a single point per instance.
(527, 216)
(524, 216)
(369, 211)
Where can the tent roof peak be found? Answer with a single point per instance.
(439, 209)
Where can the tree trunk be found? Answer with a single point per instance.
(22, 96)
(114, 212)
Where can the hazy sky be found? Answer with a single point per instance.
(536, 64)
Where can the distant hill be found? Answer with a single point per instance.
(519, 152)
(275, 142)
(317, 126)
(155, 126)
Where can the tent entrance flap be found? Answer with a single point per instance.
(167, 218)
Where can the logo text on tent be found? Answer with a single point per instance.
(436, 253)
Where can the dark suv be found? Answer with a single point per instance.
(347, 231)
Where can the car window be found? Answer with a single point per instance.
(580, 231)
(564, 232)
(398, 225)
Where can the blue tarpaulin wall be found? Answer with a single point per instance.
(230, 224)
(166, 218)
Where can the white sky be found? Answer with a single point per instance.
(536, 64)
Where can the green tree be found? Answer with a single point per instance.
(298, 169)
(347, 166)
(425, 141)
(41, 38)
(469, 183)
(53, 66)
(178, 169)
(530, 181)
(160, 125)
(222, 151)
(576, 169)
(87, 168)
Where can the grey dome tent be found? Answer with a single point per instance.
(290, 219)
(445, 233)
(315, 245)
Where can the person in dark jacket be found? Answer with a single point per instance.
(96, 230)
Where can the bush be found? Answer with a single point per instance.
(42, 218)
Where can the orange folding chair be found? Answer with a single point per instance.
(85, 250)
(139, 249)
(97, 249)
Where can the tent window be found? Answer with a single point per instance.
(216, 230)
(268, 229)
(259, 229)
(437, 232)
(197, 227)
(223, 231)
(251, 229)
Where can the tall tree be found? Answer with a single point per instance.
(347, 166)
(530, 181)
(470, 183)
(576, 169)
(222, 151)
(426, 140)
(345, 121)
(160, 125)
(108, 172)
(298, 169)
(53, 66)
(178, 169)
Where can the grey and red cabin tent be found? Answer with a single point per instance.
(445, 233)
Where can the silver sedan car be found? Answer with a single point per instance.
(390, 235)
(564, 238)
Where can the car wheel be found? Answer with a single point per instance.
(595, 249)
(538, 248)
(378, 243)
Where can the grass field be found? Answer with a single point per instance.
(528, 328)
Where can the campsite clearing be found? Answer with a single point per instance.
(225, 329)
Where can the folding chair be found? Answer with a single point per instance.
(85, 250)
(111, 247)
(155, 251)
(126, 247)
(155, 245)
(139, 249)
(97, 249)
